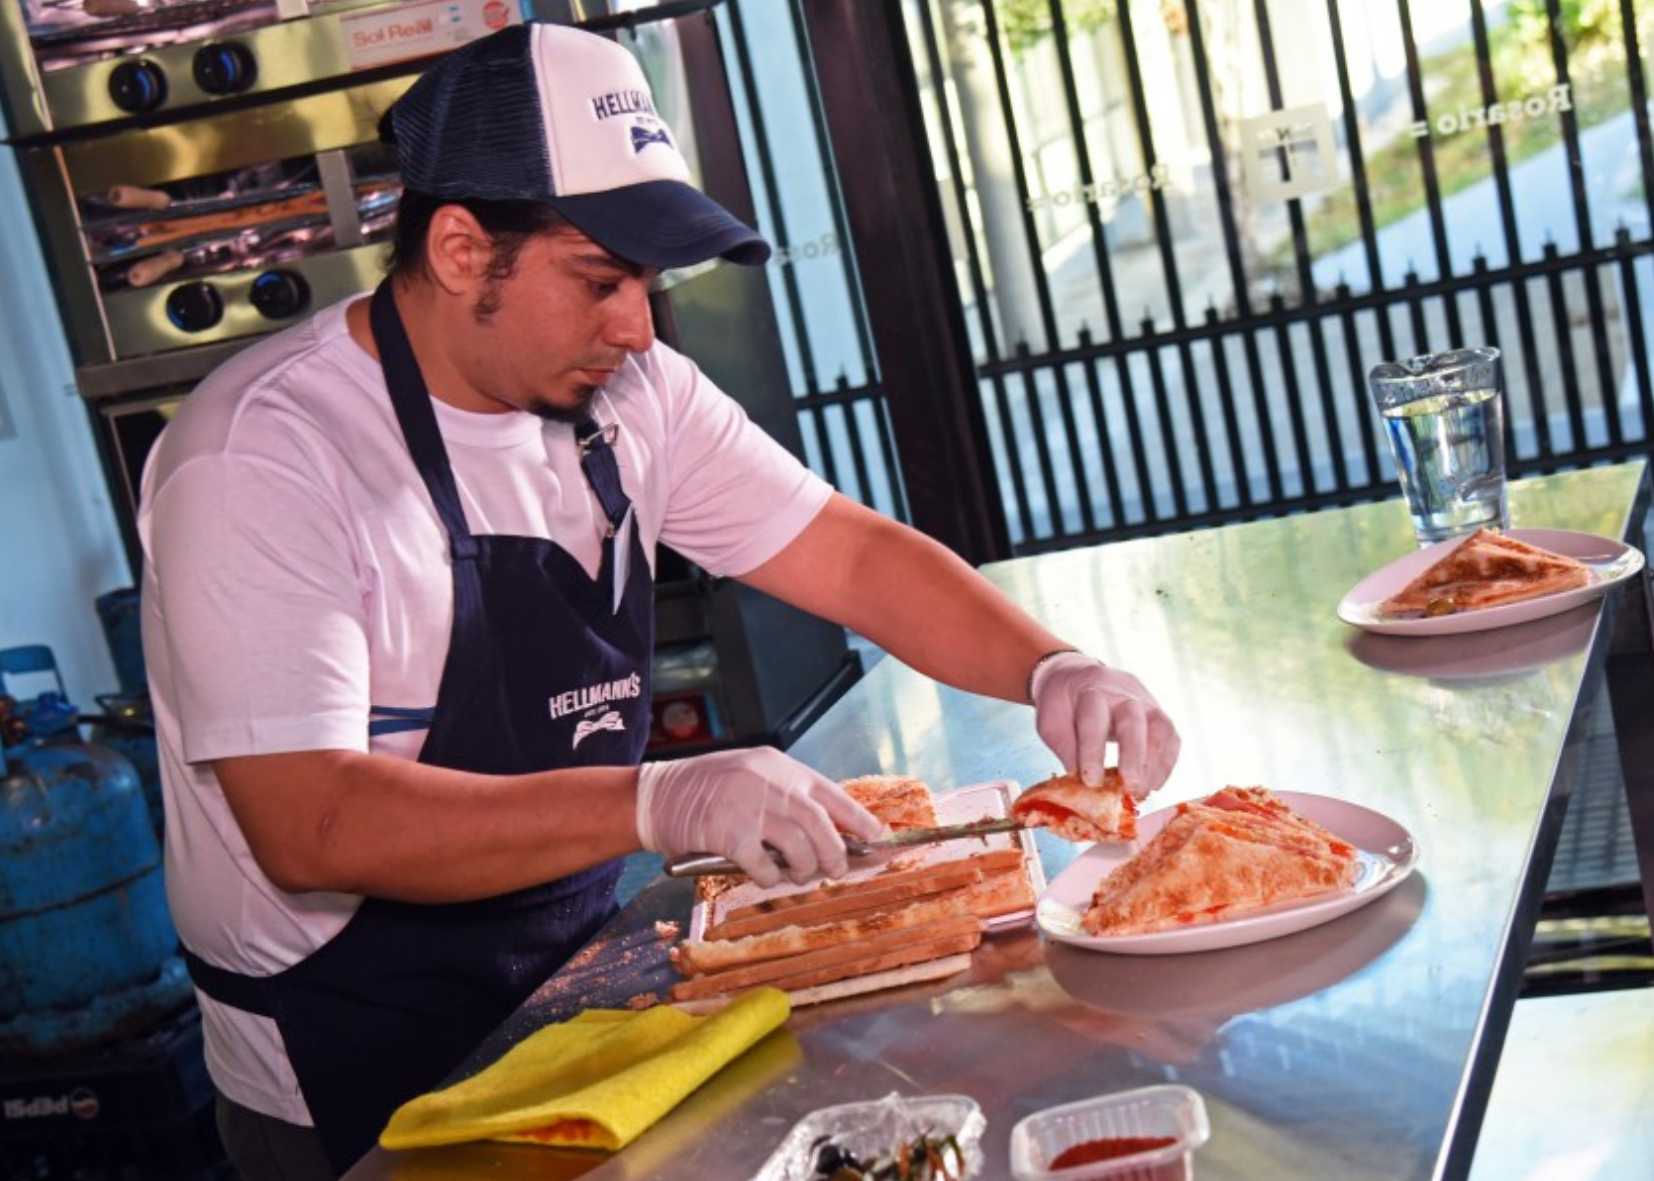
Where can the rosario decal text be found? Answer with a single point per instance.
(1155, 179)
(1557, 99)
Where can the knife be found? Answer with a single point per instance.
(694, 865)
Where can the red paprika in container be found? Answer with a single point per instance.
(1149, 1134)
(1089, 1152)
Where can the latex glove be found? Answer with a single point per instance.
(1081, 705)
(734, 803)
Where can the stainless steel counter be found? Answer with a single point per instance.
(1360, 1049)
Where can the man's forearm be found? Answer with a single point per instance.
(913, 597)
(390, 828)
(952, 624)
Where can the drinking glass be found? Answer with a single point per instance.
(1444, 414)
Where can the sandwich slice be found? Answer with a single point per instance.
(1486, 569)
(1239, 851)
(1076, 812)
(901, 801)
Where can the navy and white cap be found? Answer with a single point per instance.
(544, 112)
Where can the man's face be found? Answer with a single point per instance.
(547, 337)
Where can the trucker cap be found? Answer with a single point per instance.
(544, 112)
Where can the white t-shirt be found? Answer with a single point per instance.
(296, 573)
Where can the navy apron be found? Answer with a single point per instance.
(546, 668)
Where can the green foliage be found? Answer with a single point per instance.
(1025, 23)
(1583, 21)
(1522, 65)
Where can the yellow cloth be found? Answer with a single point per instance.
(596, 1081)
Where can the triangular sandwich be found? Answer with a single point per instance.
(1239, 850)
(1075, 812)
(1486, 569)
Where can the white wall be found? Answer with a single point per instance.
(60, 545)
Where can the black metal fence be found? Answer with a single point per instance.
(1095, 160)
(846, 431)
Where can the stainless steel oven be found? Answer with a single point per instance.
(205, 170)
(74, 64)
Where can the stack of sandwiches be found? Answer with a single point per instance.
(911, 917)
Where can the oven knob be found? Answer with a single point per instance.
(279, 294)
(194, 307)
(137, 86)
(224, 68)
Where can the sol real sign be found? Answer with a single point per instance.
(421, 28)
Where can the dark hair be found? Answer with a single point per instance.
(508, 223)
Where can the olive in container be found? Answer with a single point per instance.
(1149, 1134)
(897, 1138)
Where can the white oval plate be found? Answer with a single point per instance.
(1387, 857)
(1611, 563)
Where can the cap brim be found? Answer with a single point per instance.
(663, 224)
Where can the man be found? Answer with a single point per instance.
(398, 617)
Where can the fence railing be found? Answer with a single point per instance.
(1239, 389)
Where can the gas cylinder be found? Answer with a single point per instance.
(128, 722)
(119, 613)
(83, 913)
(127, 727)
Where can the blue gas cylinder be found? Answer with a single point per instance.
(127, 727)
(119, 612)
(83, 909)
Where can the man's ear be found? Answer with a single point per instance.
(458, 250)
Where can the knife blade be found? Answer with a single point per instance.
(694, 865)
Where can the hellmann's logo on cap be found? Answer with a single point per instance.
(589, 696)
(622, 102)
(642, 137)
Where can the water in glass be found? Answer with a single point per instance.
(1444, 416)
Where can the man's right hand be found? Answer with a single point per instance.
(742, 804)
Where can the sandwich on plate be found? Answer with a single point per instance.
(1486, 569)
(1239, 851)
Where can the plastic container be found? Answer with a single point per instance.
(872, 1129)
(1154, 1112)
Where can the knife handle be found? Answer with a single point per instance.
(697, 865)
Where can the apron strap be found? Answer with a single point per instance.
(411, 400)
(391, 719)
(247, 993)
(597, 460)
